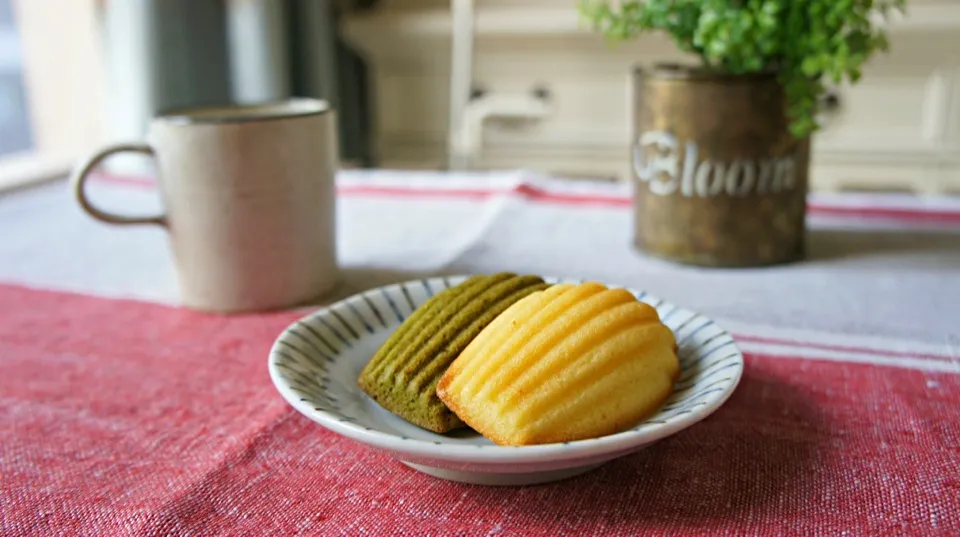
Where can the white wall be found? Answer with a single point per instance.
(62, 73)
(898, 128)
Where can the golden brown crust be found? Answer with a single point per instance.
(573, 363)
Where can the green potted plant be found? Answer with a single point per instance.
(721, 151)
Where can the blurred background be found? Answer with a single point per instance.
(431, 84)
(14, 123)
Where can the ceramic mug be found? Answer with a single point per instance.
(249, 201)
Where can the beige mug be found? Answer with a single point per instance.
(249, 201)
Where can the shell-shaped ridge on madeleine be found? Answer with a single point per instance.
(567, 363)
(403, 374)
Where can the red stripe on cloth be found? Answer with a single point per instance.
(126, 418)
(124, 180)
(565, 198)
(422, 193)
(943, 216)
(843, 348)
(888, 213)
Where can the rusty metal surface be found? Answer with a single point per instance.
(720, 181)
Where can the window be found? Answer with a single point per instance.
(15, 136)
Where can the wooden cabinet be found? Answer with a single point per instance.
(898, 128)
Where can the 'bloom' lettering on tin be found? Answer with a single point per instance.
(656, 162)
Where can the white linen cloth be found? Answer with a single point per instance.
(882, 279)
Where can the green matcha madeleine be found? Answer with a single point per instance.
(402, 375)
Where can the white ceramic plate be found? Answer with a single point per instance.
(316, 361)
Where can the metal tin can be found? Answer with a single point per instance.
(719, 179)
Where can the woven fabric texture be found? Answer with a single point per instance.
(127, 418)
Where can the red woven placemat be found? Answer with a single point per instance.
(125, 418)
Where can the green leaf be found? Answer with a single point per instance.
(805, 40)
(810, 66)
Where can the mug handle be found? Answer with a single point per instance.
(78, 180)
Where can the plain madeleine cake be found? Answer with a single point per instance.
(566, 363)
